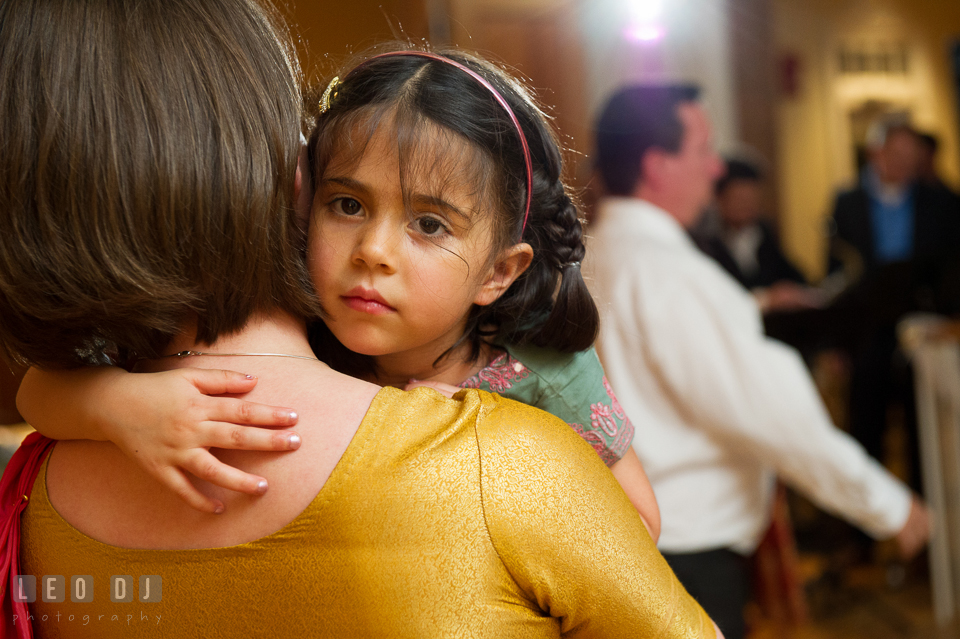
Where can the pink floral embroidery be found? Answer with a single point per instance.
(601, 416)
(622, 443)
(500, 374)
(617, 409)
(598, 444)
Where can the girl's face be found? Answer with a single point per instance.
(399, 277)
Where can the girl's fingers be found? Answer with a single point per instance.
(208, 468)
(219, 382)
(173, 479)
(240, 411)
(223, 435)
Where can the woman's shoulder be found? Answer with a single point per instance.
(415, 418)
(427, 408)
(511, 428)
(507, 433)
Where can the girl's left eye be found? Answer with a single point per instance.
(430, 226)
(346, 206)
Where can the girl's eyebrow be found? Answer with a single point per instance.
(439, 202)
(347, 182)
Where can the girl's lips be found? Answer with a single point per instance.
(366, 306)
(366, 301)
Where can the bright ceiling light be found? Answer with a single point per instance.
(645, 11)
(645, 33)
(645, 21)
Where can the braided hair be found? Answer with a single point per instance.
(548, 305)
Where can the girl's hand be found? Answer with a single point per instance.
(168, 421)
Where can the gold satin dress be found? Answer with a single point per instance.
(471, 517)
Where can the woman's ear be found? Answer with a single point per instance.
(509, 266)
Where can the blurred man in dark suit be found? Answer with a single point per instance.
(891, 238)
(744, 243)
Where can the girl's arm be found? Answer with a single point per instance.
(166, 421)
(633, 479)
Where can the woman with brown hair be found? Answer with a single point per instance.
(148, 178)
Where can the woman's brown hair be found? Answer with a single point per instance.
(149, 151)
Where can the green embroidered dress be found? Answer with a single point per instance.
(571, 386)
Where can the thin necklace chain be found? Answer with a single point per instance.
(183, 354)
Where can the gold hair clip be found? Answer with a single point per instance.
(329, 94)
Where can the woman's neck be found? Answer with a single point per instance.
(276, 333)
(131, 512)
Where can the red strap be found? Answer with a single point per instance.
(15, 489)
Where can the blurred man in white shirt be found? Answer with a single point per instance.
(720, 409)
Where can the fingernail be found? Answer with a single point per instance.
(293, 415)
(250, 376)
(413, 381)
(218, 510)
(261, 486)
(294, 442)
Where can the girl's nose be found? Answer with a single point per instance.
(376, 247)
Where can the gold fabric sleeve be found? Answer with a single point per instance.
(568, 534)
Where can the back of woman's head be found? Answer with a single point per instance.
(549, 304)
(149, 157)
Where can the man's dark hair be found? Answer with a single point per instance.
(929, 141)
(635, 120)
(736, 169)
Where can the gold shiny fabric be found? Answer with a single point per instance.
(472, 517)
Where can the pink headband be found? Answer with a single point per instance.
(496, 94)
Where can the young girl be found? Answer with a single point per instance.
(444, 247)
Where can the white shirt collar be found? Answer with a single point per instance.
(631, 215)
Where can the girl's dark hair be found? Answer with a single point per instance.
(549, 304)
(147, 172)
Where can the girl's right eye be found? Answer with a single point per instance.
(346, 206)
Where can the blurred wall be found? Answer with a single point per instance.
(753, 55)
(824, 100)
(693, 46)
(539, 41)
(329, 31)
(576, 53)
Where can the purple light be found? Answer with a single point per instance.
(644, 32)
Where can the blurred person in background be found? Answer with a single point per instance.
(892, 239)
(890, 216)
(927, 170)
(737, 235)
(723, 409)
